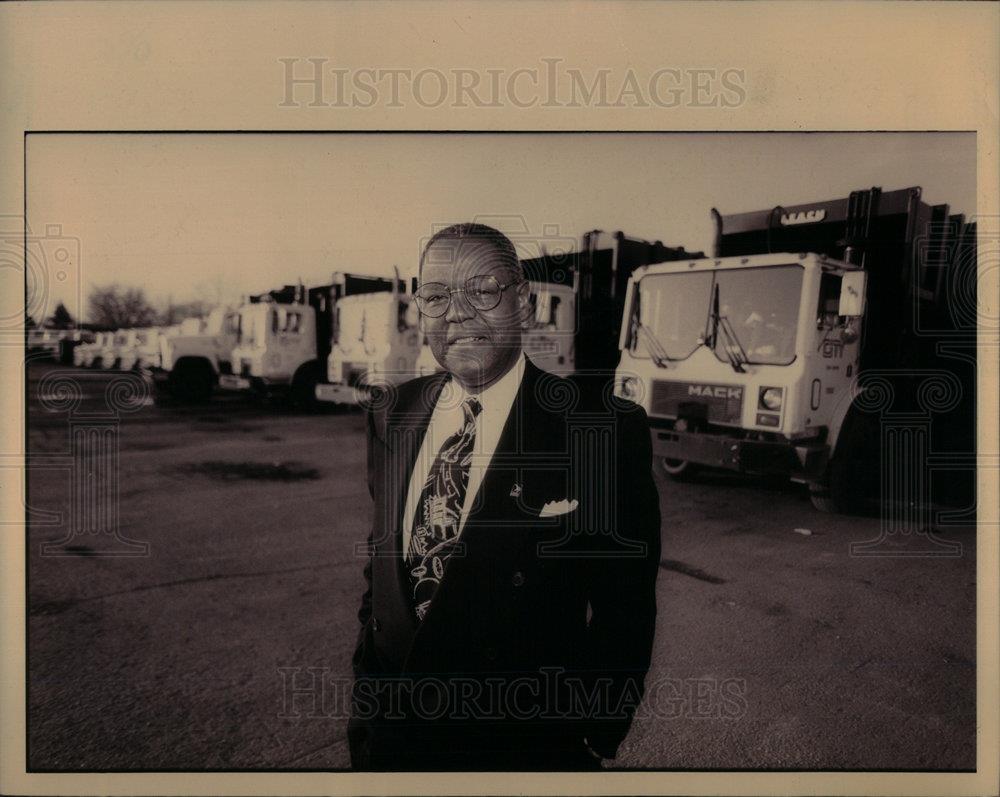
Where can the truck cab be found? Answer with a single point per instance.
(85, 355)
(286, 336)
(138, 344)
(276, 341)
(742, 362)
(377, 342)
(189, 362)
(109, 357)
(786, 353)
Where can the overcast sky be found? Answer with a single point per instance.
(218, 216)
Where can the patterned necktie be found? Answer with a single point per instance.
(435, 526)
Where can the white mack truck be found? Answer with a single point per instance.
(775, 356)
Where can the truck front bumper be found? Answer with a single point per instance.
(804, 461)
(340, 393)
(232, 382)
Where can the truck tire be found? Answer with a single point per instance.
(303, 392)
(853, 471)
(678, 470)
(192, 381)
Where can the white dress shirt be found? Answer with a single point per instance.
(448, 418)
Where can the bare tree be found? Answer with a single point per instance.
(115, 306)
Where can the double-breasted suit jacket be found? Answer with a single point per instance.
(540, 633)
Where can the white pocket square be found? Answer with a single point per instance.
(558, 507)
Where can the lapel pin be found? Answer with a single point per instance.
(515, 491)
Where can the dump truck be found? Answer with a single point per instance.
(818, 337)
(286, 335)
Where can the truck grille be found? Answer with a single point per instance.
(701, 400)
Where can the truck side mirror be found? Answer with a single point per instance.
(852, 294)
(411, 316)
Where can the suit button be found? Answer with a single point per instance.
(517, 579)
(376, 625)
(490, 653)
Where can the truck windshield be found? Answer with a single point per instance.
(760, 305)
(674, 309)
(762, 308)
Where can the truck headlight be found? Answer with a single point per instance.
(770, 398)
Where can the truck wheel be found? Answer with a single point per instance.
(678, 470)
(854, 470)
(192, 381)
(303, 393)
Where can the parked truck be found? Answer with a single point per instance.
(579, 300)
(286, 335)
(188, 366)
(376, 343)
(86, 354)
(788, 351)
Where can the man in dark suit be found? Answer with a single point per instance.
(508, 618)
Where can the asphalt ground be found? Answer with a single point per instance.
(778, 645)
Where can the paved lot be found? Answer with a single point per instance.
(775, 648)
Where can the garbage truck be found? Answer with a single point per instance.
(285, 337)
(819, 337)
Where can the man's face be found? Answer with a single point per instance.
(476, 346)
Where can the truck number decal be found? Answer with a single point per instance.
(833, 348)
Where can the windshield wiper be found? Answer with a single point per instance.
(653, 345)
(735, 352)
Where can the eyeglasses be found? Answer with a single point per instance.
(482, 292)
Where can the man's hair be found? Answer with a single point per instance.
(473, 233)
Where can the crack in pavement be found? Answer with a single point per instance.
(688, 570)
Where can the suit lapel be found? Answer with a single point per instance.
(406, 427)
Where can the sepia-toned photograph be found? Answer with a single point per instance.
(500, 452)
